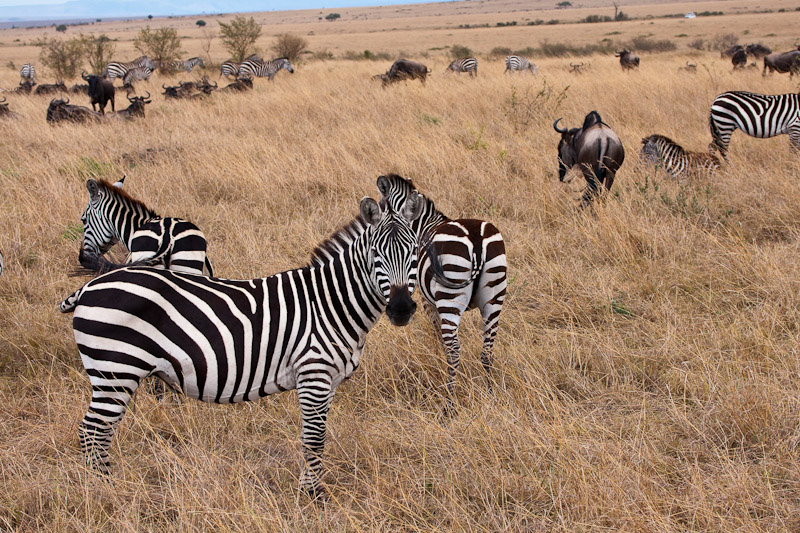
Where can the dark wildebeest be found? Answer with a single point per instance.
(51, 88)
(5, 112)
(136, 109)
(728, 52)
(25, 87)
(783, 63)
(205, 88)
(577, 68)
(627, 59)
(404, 69)
(739, 59)
(101, 91)
(757, 50)
(595, 148)
(82, 88)
(61, 110)
(173, 91)
(242, 84)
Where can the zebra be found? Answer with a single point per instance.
(187, 65)
(231, 68)
(663, 151)
(462, 265)
(229, 341)
(113, 215)
(118, 70)
(758, 115)
(467, 64)
(252, 68)
(27, 72)
(519, 64)
(136, 74)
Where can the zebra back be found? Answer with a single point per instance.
(27, 72)
(256, 68)
(467, 64)
(661, 150)
(136, 74)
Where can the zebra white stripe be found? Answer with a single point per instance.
(662, 151)
(136, 74)
(518, 64)
(467, 64)
(255, 68)
(758, 115)
(118, 70)
(462, 265)
(229, 341)
(27, 72)
(187, 65)
(231, 68)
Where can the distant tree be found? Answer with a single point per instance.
(98, 51)
(565, 3)
(240, 36)
(150, 17)
(61, 28)
(457, 51)
(63, 57)
(201, 23)
(161, 46)
(290, 46)
(332, 16)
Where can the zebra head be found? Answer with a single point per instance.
(393, 255)
(284, 62)
(99, 234)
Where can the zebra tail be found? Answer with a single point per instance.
(208, 267)
(716, 144)
(71, 302)
(100, 265)
(438, 271)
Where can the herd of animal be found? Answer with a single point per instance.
(162, 313)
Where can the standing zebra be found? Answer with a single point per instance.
(462, 265)
(118, 70)
(758, 115)
(519, 64)
(231, 68)
(661, 150)
(27, 72)
(136, 74)
(113, 215)
(187, 65)
(252, 68)
(228, 341)
(467, 64)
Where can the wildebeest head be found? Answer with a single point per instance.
(137, 104)
(173, 91)
(566, 150)
(627, 59)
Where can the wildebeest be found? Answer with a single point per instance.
(136, 109)
(51, 88)
(174, 92)
(728, 52)
(739, 59)
(404, 69)
(61, 110)
(595, 148)
(242, 84)
(757, 50)
(674, 159)
(25, 87)
(80, 88)
(783, 63)
(627, 59)
(101, 91)
(5, 112)
(204, 87)
(576, 68)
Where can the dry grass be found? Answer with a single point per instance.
(647, 362)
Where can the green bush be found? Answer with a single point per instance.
(239, 37)
(332, 16)
(458, 51)
(161, 46)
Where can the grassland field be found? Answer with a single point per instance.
(647, 372)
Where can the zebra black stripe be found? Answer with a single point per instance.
(518, 64)
(231, 68)
(187, 65)
(467, 64)
(229, 341)
(256, 68)
(662, 151)
(27, 72)
(118, 70)
(758, 115)
(136, 74)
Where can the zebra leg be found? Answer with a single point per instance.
(490, 312)
(315, 396)
(450, 321)
(111, 395)
(794, 135)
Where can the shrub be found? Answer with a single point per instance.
(645, 44)
(533, 106)
(565, 3)
(239, 37)
(621, 16)
(63, 57)
(697, 44)
(161, 46)
(98, 51)
(200, 23)
(596, 18)
(289, 46)
(457, 51)
(332, 16)
(724, 41)
(552, 22)
(502, 24)
(61, 28)
(500, 51)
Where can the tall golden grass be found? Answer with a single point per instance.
(647, 360)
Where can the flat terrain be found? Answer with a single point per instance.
(647, 362)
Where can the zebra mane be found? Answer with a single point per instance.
(664, 139)
(430, 206)
(120, 192)
(337, 242)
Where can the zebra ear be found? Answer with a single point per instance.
(121, 182)
(413, 206)
(370, 210)
(383, 186)
(94, 190)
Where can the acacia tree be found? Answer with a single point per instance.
(289, 46)
(99, 51)
(63, 57)
(161, 46)
(240, 36)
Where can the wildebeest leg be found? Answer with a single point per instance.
(592, 185)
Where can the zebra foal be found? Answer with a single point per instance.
(462, 265)
(116, 69)
(663, 151)
(467, 64)
(228, 341)
(520, 64)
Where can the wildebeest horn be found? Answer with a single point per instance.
(555, 127)
(162, 86)
(84, 76)
(148, 95)
(67, 100)
(4, 99)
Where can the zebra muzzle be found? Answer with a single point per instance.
(401, 307)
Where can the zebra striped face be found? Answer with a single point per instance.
(98, 232)
(393, 253)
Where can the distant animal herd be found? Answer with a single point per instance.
(162, 313)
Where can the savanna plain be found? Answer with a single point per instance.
(646, 368)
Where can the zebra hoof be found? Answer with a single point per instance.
(316, 494)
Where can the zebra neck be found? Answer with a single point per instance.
(430, 219)
(133, 215)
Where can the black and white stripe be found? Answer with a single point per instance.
(136, 74)
(228, 341)
(519, 64)
(231, 68)
(467, 64)
(254, 68)
(664, 152)
(462, 265)
(113, 215)
(27, 72)
(758, 115)
(187, 65)
(118, 70)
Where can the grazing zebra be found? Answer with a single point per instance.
(758, 115)
(118, 70)
(661, 150)
(228, 341)
(27, 72)
(113, 215)
(519, 64)
(187, 65)
(136, 74)
(231, 68)
(467, 64)
(252, 68)
(462, 265)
